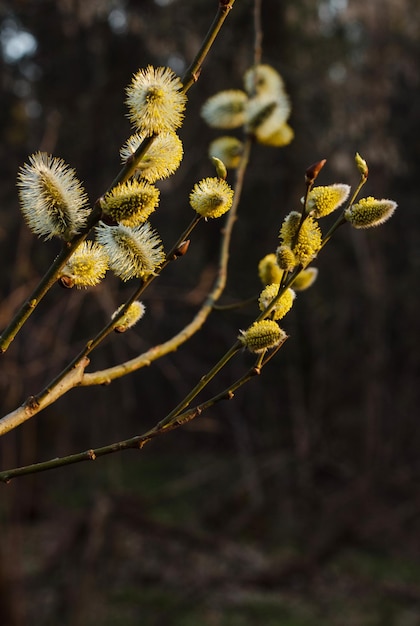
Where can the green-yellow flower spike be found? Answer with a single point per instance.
(286, 259)
(162, 158)
(282, 306)
(227, 149)
(53, 202)
(370, 212)
(133, 314)
(225, 109)
(86, 267)
(263, 79)
(308, 239)
(305, 279)
(262, 335)
(308, 242)
(131, 203)
(289, 227)
(268, 270)
(132, 252)
(211, 197)
(155, 100)
(324, 200)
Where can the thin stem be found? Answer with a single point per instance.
(258, 32)
(193, 72)
(140, 440)
(339, 222)
(203, 382)
(171, 255)
(235, 305)
(356, 192)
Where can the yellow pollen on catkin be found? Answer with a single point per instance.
(303, 237)
(309, 241)
(131, 203)
(130, 317)
(262, 335)
(286, 259)
(211, 197)
(283, 304)
(155, 100)
(370, 212)
(268, 270)
(289, 227)
(86, 267)
(323, 200)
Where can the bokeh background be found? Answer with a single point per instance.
(298, 502)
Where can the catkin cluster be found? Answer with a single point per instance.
(261, 110)
(55, 204)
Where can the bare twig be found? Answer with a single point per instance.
(171, 422)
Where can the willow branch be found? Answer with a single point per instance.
(93, 343)
(50, 277)
(193, 72)
(139, 441)
(236, 305)
(33, 405)
(106, 376)
(203, 382)
(258, 37)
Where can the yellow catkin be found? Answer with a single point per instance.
(262, 335)
(323, 200)
(283, 304)
(268, 270)
(305, 279)
(211, 197)
(370, 212)
(132, 315)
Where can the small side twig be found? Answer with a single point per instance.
(139, 441)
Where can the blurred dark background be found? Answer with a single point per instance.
(298, 502)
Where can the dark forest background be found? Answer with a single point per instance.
(298, 502)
